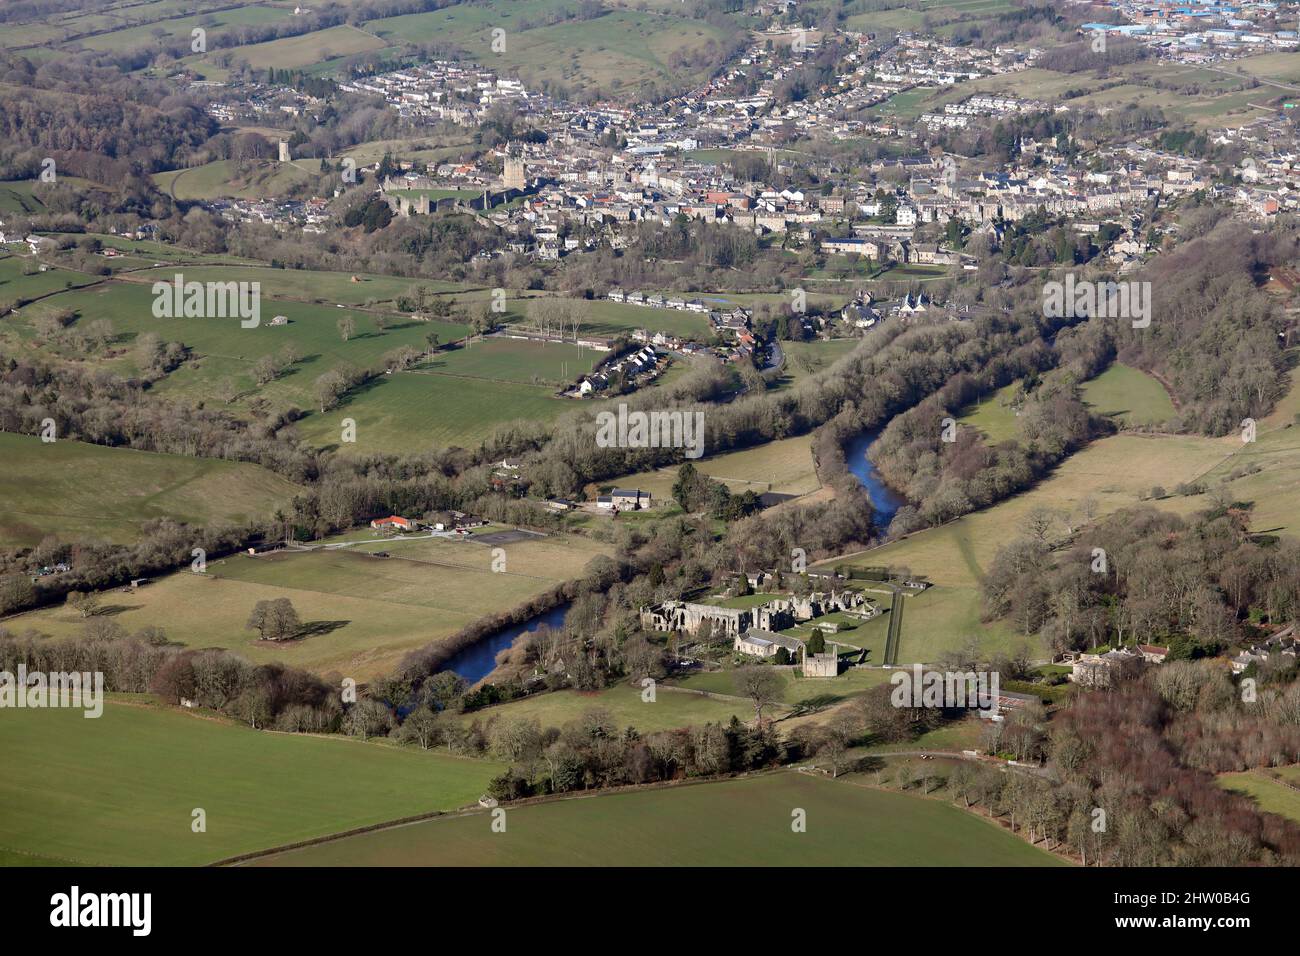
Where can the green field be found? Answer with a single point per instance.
(457, 396)
(58, 27)
(1270, 795)
(362, 614)
(308, 50)
(180, 27)
(670, 709)
(224, 178)
(619, 49)
(17, 198)
(1207, 97)
(420, 410)
(75, 491)
(731, 823)
(227, 351)
(1128, 396)
(803, 359)
(15, 285)
(313, 286)
(516, 360)
(1273, 490)
(906, 105)
(119, 790)
(784, 466)
(851, 683)
(993, 415)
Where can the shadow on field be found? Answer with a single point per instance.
(319, 628)
(112, 610)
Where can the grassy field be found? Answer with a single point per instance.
(731, 823)
(1281, 67)
(1129, 396)
(214, 23)
(670, 709)
(59, 27)
(804, 359)
(16, 285)
(619, 49)
(1109, 474)
(361, 613)
(516, 360)
(310, 49)
(1269, 795)
(18, 198)
(410, 410)
(784, 467)
(1214, 103)
(312, 286)
(906, 105)
(993, 415)
(604, 318)
(224, 178)
(851, 683)
(458, 396)
(1274, 489)
(74, 490)
(119, 790)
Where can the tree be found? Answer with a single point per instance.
(265, 370)
(85, 602)
(839, 737)
(330, 387)
(762, 685)
(367, 718)
(16, 592)
(281, 620)
(422, 727)
(257, 620)
(254, 707)
(347, 327)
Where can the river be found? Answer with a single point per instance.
(884, 499)
(480, 658)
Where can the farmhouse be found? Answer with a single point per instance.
(1103, 670)
(1153, 653)
(624, 498)
(393, 523)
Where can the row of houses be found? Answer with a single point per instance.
(636, 367)
(656, 300)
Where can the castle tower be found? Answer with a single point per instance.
(284, 151)
(514, 176)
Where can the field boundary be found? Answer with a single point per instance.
(479, 810)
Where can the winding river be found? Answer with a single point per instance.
(480, 658)
(884, 499)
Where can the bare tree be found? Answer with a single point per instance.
(762, 685)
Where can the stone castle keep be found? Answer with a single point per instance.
(775, 615)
